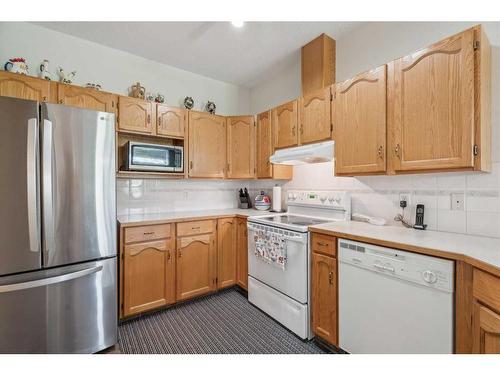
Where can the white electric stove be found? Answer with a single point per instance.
(284, 292)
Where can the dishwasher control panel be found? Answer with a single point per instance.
(417, 268)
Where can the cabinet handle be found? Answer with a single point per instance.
(168, 255)
(44, 99)
(148, 233)
(190, 165)
(149, 119)
(301, 129)
(293, 131)
(330, 277)
(180, 253)
(193, 228)
(159, 122)
(61, 101)
(380, 152)
(321, 244)
(397, 151)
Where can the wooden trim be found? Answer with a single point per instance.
(463, 307)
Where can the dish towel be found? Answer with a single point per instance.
(271, 248)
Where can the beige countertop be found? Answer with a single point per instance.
(482, 252)
(159, 218)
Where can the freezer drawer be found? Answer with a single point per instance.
(63, 310)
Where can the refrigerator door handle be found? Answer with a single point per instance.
(48, 218)
(49, 280)
(32, 185)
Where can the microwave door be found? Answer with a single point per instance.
(150, 157)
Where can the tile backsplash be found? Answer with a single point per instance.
(379, 196)
(139, 196)
(371, 195)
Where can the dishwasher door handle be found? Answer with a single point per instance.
(384, 268)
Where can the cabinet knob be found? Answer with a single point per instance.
(330, 277)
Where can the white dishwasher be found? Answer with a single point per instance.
(393, 301)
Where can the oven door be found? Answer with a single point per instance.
(293, 281)
(151, 157)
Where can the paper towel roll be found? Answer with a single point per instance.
(277, 198)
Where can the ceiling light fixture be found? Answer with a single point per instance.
(237, 23)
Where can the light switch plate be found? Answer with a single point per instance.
(458, 201)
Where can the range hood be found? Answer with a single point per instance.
(308, 154)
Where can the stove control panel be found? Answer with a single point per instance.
(327, 199)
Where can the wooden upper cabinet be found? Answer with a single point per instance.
(207, 145)
(318, 64)
(359, 123)
(431, 111)
(285, 119)
(24, 87)
(226, 252)
(135, 115)
(486, 330)
(148, 275)
(314, 112)
(196, 265)
(264, 145)
(170, 121)
(87, 98)
(240, 147)
(324, 297)
(264, 141)
(242, 254)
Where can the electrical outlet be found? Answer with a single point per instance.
(458, 201)
(405, 197)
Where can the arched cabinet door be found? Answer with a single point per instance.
(149, 276)
(135, 115)
(171, 121)
(240, 147)
(431, 110)
(315, 123)
(207, 145)
(24, 87)
(359, 123)
(86, 98)
(285, 119)
(226, 252)
(196, 265)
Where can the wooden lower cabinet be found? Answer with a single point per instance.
(324, 297)
(196, 265)
(242, 254)
(486, 330)
(226, 252)
(148, 275)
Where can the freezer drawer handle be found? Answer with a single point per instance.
(49, 280)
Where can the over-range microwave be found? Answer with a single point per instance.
(139, 156)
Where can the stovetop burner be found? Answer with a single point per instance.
(296, 220)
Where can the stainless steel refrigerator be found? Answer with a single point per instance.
(57, 229)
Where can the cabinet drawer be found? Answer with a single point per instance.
(147, 233)
(486, 288)
(195, 227)
(321, 243)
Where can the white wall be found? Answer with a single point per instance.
(368, 47)
(115, 70)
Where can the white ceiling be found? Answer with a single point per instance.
(244, 56)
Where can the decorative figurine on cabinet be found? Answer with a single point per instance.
(66, 78)
(44, 70)
(16, 65)
(94, 86)
(188, 102)
(150, 97)
(210, 107)
(138, 91)
(160, 98)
